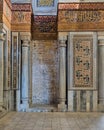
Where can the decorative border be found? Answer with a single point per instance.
(22, 7)
(81, 6)
(45, 24)
(45, 4)
(9, 3)
(82, 38)
(44, 10)
(70, 59)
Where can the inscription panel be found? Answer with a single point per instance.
(72, 17)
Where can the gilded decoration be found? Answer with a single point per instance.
(83, 61)
(81, 16)
(45, 3)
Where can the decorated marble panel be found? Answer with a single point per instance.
(44, 27)
(14, 58)
(21, 17)
(83, 61)
(45, 3)
(76, 16)
(44, 72)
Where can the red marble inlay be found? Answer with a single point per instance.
(81, 6)
(22, 7)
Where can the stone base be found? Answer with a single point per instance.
(1, 106)
(101, 107)
(62, 107)
(24, 107)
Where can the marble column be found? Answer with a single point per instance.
(1, 68)
(62, 75)
(25, 75)
(101, 71)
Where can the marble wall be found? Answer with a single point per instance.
(44, 72)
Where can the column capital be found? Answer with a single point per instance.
(62, 43)
(2, 36)
(101, 42)
(25, 43)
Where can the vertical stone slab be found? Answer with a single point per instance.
(1, 69)
(78, 101)
(70, 101)
(62, 76)
(95, 101)
(25, 74)
(87, 101)
(101, 71)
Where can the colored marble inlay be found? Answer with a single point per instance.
(22, 7)
(14, 62)
(45, 23)
(45, 3)
(81, 6)
(83, 61)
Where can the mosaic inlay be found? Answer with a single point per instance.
(14, 62)
(83, 61)
(45, 24)
(45, 3)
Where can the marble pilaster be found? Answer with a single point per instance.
(78, 101)
(88, 101)
(1, 68)
(62, 75)
(101, 70)
(25, 75)
(70, 101)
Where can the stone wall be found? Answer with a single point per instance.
(44, 72)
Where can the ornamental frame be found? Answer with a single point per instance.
(44, 10)
(70, 59)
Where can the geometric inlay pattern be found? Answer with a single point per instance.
(45, 24)
(83, 61)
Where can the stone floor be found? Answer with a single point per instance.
(52, 121)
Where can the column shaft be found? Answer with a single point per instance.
(1, 69)
(62, 76)
(101, 72)
(25, 74)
